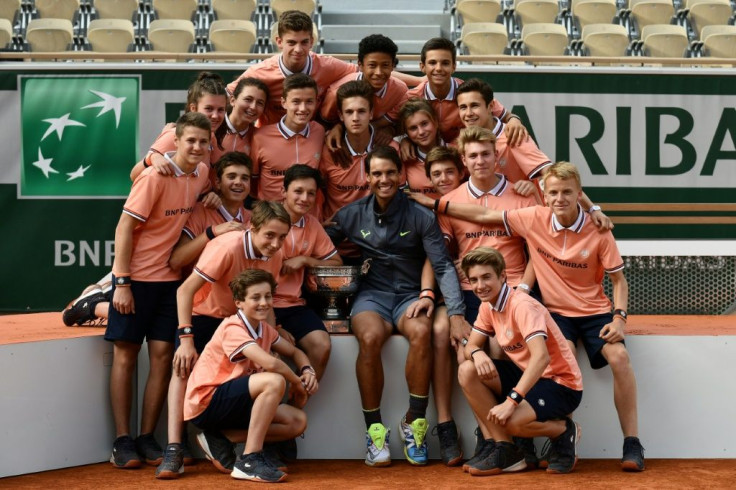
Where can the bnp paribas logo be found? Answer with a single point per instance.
(80, 136)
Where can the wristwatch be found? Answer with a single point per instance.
(594, 208)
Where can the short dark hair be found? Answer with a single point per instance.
(265, 211)
(300, 171)
(355, 88)
(385, 152)
(443, 154)
(250, 277)
(251, 82)
(438, 43)
(484, 256)
(377, 43)
(294, 21)
(233, 158)
(298, 80)
(195, 119)
(477, 85)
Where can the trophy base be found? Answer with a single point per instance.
(337, 326)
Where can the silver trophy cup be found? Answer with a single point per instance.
(335, 284)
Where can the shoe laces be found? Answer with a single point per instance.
(633, 445)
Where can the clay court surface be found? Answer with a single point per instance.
(350, 474)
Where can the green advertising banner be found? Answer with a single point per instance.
(657, 149)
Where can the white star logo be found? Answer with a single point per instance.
(58, 124)
(44, 164)
(108, 103)
(78, 173)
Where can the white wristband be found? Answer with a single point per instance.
(525, 287)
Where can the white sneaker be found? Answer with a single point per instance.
(377, 453)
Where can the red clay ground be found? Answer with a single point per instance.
(351, 474)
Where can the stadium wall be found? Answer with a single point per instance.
(656, 147)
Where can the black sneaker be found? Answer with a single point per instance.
(526, 444)
(149, 449)
(273, 456)
(124, 454)
(82, 310)
(633, 459)
(564, 452)
(186, 451)
(218, 449)
(450, 450)
(482, 451)
(255, 467)
(173, 464)
(544, 455)
(287, 450)
(505, 457)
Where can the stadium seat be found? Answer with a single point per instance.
(719, 41)
(233, 36)
(594, 11)
(57, 9)
(605, 39)
(171, 35)
(234, 9)
(484, 38)
(116, 9)
(708, 12)
(275, 32)
(650, 12)
(175, 9)
(49, 35)
(110, 35)
(280, 6)
(544, 39)
(8, 8)
(6, 32)
(474, 11)
(536, 11)
(664, 40)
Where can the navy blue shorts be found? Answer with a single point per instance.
(299, 320)
(203, 328)
(472, 306)
(587, 329)
(155, 315)
(548, 399)
(390, 306)
(229, 408)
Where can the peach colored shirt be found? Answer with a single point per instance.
(276, 148)
(514, 320)
(468, 235)
(221, 260)
(202, 217)
(523, 162)
(386, 102)
(416, 175)
(225, 358)
(569, 262)
(162, 204)
(306, 237)
(235, 140)
(325, 70)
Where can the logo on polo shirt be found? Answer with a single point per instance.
(584, 253)
(79, 135)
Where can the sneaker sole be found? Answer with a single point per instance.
(377, 464)
(520, 466)
(155, 462)
(169, 475)
(239, 475)
(132, 464)
(631, 466)
(454, 461)
(202, 442)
